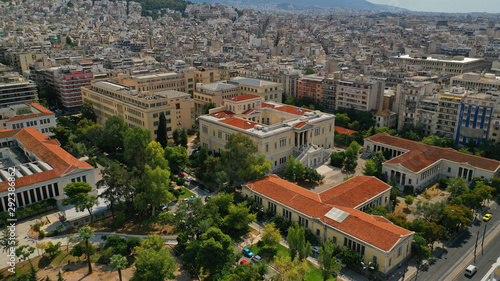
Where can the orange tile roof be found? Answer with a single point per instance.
(341, 130)
(243, 97)
(292, 109)
(374, 230)
(48, 151)
(44, 112)
(265, 104)
(223, 114)
(250, 111)
(300, 125)
(420, 156)
(239, 123)
(354, 192)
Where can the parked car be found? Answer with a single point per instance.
(315, 249)
(194, 197)
(243, 261)
(247, 252)
(470, 270)
(487, 217)
(182, 175)
(256, 258)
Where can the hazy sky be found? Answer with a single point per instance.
(452, 6)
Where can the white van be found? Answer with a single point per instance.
(470, 270)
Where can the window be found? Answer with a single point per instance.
(155, 124)
(283, 142)
(390, 261)
(267, 147)
(271, 206)
(317, 131)
(318, 232)
(220, 135)
(204, 129)
(155, 115)
(334, 239)
(399, 252)
(375, 259)
(449, 169)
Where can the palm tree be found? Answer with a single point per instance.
(85, 233)
(118, 262)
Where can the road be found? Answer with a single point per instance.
(446, 260)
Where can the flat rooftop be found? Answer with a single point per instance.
(439, 59)
(15, 157)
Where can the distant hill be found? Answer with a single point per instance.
(301, 4)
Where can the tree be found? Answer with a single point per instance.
(154, 242)
(84, 234)
(154, 265)
(419, 246)
(310, 71)
(8, 241)
(485, 192)
(291, 270)
(32, 274)
(244, 272)
(88, 110)
(155, 156)
(135, 142)
(118, 187)
(312, 175)
(24, 252)
(408, 201)
(456, 217)
(370, 168)
(430, 211)
(153, 189)
(69, 41)
(351, 154)
(162, 131)
(297, 242)
(118, 262)
(113, 134)
(342, 120)
(77, 194)
(377, 210)
(271, 237)
(238, 218)
(59, 276)
(337, 159)
(71, 238)
(177, 157)
(183, 138)
(327, 262)
(53, 249)
(294, 169)
(207, 107)
(457, 187)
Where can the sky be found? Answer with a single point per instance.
(450, 6)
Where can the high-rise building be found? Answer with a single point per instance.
(14, 89)
(360, 93)
(67, 82)
(310, 86)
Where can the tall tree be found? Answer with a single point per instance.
(430, 211)
(351, 153)
(238, 218)
(118, 262)
(155, 156)
(337, 159)
(207, 107)
(116, 181)
(153, 189)
(154, 265)
(297, 242)
(135, 142)
(84, 234)
(77, 193)
(327, 262)
(113, 133)
(271, 237)
(294, 170)
(7, 241)
(88, 110)
(176, 134)
(291, 270)
(162, 131)
(370, 168)
(24, 252)
(177, 157)
(457, 187)
(408, 201)
(183, 138)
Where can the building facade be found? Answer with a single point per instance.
(337, 214)
(16, 92)
(41, 167)
(67, 82)
(279, 130)
(269, 91)
(310, 86)
(476, 81)
(182, 81)
(213, 93)
(140, 109)
(439, 63)
(22, 116)
(360, 93)
(417, 164)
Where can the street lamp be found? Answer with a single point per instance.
(366, 267)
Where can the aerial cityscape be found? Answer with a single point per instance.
(231, 140)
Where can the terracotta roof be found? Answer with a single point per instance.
(223, 114)
(243, 97)
(291, 195)
(265, 104)
(292, 109)
(420, 156)
(380, 233)
(374, 230)
(250, 111)
(239, 123)
(341, 130)
(44, 112)
(354, 192)
(48, 151)
(300, 125)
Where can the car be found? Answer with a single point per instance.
(188, 178)
(256, 258)
(247, 252)
(487, 217)
(185, 199)
(243, 261)
(182, 175)
(470, 270)
(194, 197)
(315, 249)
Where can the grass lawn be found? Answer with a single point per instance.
(185, 193)
(314, 273)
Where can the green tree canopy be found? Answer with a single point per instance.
(154, 265)
(113, 134)
(77, 194)
(162, 131)
(153, 189)
(327, 262)
(135, 142)
(294, 170)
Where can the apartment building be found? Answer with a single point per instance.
(177, 81)
(269, 91)
(329, 91)
(439, 63)
(213, 93)
(310, 86)
(205, 76)
(427, 112)
(408, 96)
(16, 90)
(42, 168)
(21, 61)
(140, 108)
(417, 164)
(476, 81)
(67, 82)
(338, 214)
(448, 110)
(385, 118)
(360, 93)
(279, 130)
(476, 116)
(19, 116)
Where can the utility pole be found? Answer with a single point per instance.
(475, 248)
(482, 242)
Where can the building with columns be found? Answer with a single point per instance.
(41, 167)
(279, 130)
(338, 214)
(417, 164)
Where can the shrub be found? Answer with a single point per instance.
(313, 239)
(36, 227)
(119, 220)
(408, 189)
(42, 234)
(106, 255)
(133, 242)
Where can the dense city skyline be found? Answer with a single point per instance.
(446, 6)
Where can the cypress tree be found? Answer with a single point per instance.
(162, 131)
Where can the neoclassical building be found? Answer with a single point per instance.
(337, 214)
(417, 164)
